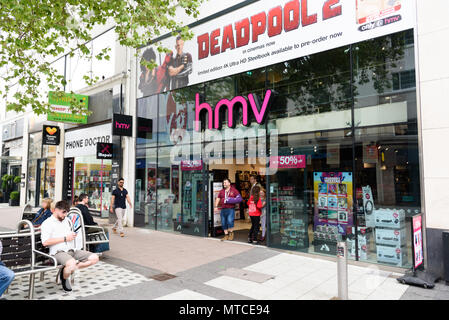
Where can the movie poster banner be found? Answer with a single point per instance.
(268, 32)
(333, 203)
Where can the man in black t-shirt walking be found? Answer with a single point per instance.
(119, 195)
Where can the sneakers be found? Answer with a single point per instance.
(250, 241)
(114, 230)
(65, 282)
(122, 234)
(231, 236)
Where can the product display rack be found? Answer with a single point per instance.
(91, 185)
(293, 221)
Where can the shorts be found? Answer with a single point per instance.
(80, 255)
(227, 218)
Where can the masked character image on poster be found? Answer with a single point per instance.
(155, 80)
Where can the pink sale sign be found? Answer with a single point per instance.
(288, 162)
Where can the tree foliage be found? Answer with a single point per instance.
(33, 33)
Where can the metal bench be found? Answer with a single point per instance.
(28, 213)
(21, 255)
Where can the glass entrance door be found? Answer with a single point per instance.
(45, 177)
(194, 211)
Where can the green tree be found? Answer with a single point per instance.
(33, 33)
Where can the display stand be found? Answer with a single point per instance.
(417, 275)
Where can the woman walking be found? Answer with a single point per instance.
(255, 211)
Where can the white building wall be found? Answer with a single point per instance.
(432, 46)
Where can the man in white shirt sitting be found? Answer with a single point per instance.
(56, 233)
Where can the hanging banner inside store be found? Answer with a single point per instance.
(288, 162)
(104, 150)
(268, 32)
(60, 107)
(122, 125)
(333, 204)
(83, 142)
(51, 135)
(191, 165)
(417, 241)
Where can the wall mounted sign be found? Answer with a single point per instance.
(144, 128)
(51, 135)
(122, 125)
(104, 150)
(60, 108)
(259, 111)
(83, 142)
(267, 32)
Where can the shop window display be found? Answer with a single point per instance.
(311, 192)
(92, 176)
(386, 148)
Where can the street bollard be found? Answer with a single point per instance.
(342, 270)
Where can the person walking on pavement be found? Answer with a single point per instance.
(227, 198)
(6, 275)
(119, 195)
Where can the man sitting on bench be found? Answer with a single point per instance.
(56, 233)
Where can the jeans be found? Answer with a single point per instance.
(255, 223)
(227, 218)
(6, 277)
(263, 222)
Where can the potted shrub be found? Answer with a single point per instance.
(7, 186)
(14, 198)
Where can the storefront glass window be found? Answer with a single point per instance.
(41, 170)
(92, 176)
(313, 92)
(168, 197)
(145, 199)
(147, 122)
(386, 147)
(310, 191)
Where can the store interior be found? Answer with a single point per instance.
(239, 174)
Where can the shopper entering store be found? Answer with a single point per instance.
(119, 195)
(255, 211)
(227, 198)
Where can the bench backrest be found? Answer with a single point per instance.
(27, 213)
(18, 247)
(76, 218)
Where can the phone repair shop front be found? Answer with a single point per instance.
(83, 172)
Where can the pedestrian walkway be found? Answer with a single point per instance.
(153, 265)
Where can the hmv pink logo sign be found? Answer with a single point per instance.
(119, 125)
(122, 125)
(252, 108)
